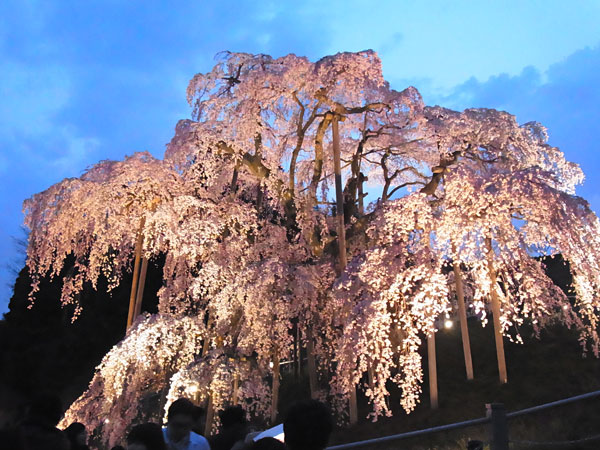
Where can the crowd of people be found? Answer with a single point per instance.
(307, 426)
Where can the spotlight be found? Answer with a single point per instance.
(448, 323)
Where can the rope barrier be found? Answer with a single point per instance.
(410, 434)
(552, 404)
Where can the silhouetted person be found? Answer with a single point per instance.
(178, 433)
(147, 436)
(38, 430)
(233, 429)
(199, 420)
(77, 435)
(268, 443)
(307, 426)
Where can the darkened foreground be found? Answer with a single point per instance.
(541, 371)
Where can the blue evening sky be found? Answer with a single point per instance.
(82, 81)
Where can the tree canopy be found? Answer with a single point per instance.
(242, 207)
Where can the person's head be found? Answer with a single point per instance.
(180, 419)
(268, 443)
(147, 436)
(232, 416)
(76, 433)
(307, 426)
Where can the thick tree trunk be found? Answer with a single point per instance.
(462, 314)
(234, 178)
(361, 195)
(136, 273)
(339, 194)
(341, 228)
(496, 314)
(433, 385)
(312, 366)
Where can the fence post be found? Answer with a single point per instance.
(498, 430)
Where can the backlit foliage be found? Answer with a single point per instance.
(241, 207)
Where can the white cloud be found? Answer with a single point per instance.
(78, 152)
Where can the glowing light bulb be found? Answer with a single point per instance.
(565, 307)
(106, 420)
(448, 323)
(271, 365)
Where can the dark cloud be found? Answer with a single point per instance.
(565, 99)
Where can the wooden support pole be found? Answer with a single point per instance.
(371, 376)
(496, 314)
(297, 350)
(498, 428)
(433, 385)
(275, 398)
(210, 410)
(207, 338)
(341, 229)
(136, 272)
(140, 288)
(462, 314)
(210, 413)
(236, 387)
(311, 363)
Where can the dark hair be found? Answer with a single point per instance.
(307, 426)
(198, 412)
(74, 430)
(268, 443)
(233, 415)
(182, 406)
(118, 447)
(149, 434)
